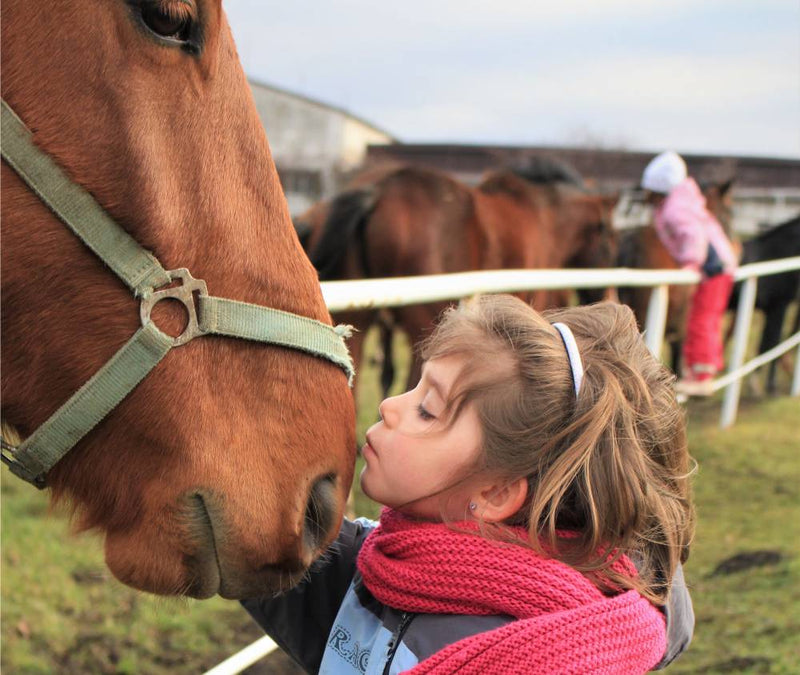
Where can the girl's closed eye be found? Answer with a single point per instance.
(424, 414)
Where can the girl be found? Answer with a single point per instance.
(697, 241)
(537, 512)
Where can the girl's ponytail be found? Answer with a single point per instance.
(608, 469)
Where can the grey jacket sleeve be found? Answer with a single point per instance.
(300, 620)
(680, 619)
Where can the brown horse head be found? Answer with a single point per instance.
(590, 217)
(227, 469)
(719, 200)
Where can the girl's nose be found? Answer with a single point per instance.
(388, 411)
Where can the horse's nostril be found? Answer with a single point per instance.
(320, 512)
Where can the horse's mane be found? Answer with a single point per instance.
(548, 171)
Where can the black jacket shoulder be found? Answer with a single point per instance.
(301, 619)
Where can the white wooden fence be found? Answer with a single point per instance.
(399, 291)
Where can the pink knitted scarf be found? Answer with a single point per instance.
(564, 623)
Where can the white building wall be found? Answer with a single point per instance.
(756, 210)
(312, 144)
(356, 136)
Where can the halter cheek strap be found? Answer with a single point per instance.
(141, 271)
(574, 356)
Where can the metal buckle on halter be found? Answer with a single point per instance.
(18, 469)
(184, 294)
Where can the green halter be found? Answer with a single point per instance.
(145, 276)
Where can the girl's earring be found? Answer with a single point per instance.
(472, 506)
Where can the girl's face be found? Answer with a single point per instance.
(411, 456)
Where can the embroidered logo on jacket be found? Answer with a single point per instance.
(340, 643)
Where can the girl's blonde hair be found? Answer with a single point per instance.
(607, 470)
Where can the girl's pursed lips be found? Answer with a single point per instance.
(368, 452)
(368, 446)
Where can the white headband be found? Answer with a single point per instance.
(573, 354)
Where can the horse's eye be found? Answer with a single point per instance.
(165, 24)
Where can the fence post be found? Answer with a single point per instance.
(744, 318)
(656, 319)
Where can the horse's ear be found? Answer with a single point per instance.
(726, 186)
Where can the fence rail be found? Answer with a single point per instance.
(400, 291)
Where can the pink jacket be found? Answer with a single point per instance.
(686, 228)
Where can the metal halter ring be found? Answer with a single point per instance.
(184, 294)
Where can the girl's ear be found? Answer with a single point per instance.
(501, 501)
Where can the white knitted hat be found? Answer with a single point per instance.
(664, 172)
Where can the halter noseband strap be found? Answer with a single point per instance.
(146, 278)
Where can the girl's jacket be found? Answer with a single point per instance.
(331, 624)
(686, 228)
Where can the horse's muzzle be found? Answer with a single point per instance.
(215, 566)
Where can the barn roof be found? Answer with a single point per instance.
(611, 168)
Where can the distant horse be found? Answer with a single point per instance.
(414, 221)
(226, 470)
(410, 222)
(310, 224)
(774, 293)
(641, 248)
(573, 228)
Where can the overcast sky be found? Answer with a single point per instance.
(715, 76)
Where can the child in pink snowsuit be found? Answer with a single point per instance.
(697, 241)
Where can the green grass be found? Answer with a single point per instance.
(63, 613)
(369, 395)
(747, 492)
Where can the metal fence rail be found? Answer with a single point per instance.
(400, 291)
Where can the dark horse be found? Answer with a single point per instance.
(412, 221)
(775, 292)
(226, 470)
(640, 247)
